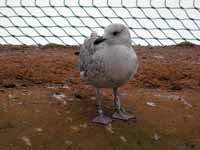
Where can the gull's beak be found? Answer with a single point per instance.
(99, 40)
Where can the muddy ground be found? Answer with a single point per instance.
(45, 106)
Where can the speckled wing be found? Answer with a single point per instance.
(86, 52)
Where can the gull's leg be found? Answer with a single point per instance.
(120, 112)
(101, 118)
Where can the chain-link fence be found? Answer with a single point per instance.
(151, 22)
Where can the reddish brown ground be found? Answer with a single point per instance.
(31, 118)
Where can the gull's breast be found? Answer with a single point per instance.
(119, 64)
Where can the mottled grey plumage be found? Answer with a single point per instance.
(86, 52)
(108, 62)
(89, 67)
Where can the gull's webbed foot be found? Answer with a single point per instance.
(122, 115)
(102, 119)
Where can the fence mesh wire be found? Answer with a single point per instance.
(151, 22)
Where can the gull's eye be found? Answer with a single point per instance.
(115, 33)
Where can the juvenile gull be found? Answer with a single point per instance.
(108, 61)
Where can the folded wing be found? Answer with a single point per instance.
(86, 52)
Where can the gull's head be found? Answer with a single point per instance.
(117, 33)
